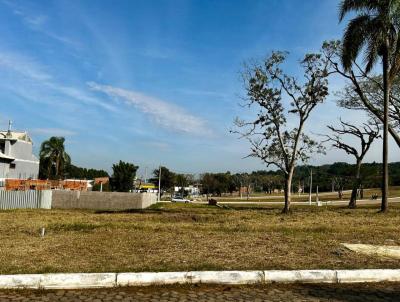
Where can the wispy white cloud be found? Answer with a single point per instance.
(33, 75)
(82, 96)
(39, 22)
(24, 66)
(166, 115)
(52, 132)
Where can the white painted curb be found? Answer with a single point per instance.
(368, 275)
(55, 281)
(143, 279)
(301, 276)
(227, 277)
(104, 280)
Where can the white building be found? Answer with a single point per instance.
(191, 190)
(16, 158)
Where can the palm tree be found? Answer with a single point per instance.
(375, 32)
(53, 157)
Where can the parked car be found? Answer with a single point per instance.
(178, 198)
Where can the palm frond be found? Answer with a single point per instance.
(354, 39)
(371, 54)
(374, 42)
(359, 6)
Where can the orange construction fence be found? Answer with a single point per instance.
(38, 184)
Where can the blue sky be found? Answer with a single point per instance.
(152, 82)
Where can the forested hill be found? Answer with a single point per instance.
(324, 175)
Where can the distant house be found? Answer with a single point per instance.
(191, 190)
(101, 180)
(142, 186)
(16, 158)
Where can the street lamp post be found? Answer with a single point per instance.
(309, 196)
(159, 185)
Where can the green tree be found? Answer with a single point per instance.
(167, 179)
(73, 171)
(209, 184)
(123, 175)
(375, 30)
(182, 181)
(218, 183)
(53, 158)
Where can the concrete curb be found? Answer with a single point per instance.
(301, 276)
(104, 280)
(57, 281)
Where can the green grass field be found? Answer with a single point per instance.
(175, 237)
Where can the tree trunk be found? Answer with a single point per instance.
(58, 167)
(356, 185)
(288, 184)
(386, 95)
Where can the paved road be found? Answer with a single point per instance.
(306, 203)
(281, 196)
(287, 293)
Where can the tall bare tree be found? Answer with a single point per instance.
(372, 101)
(272, 136)
(366, 134)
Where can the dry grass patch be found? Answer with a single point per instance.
(172, 237)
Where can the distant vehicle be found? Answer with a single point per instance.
(179, 199)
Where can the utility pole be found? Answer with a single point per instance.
(309, 196)
(159, 184)
(240, 189)
(299, 189)
(317, 197)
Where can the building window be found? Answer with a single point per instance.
(12, 166)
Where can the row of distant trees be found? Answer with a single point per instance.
(55, 164)
(337, 177)
(169, 180)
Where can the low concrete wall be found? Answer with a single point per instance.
(102, 200)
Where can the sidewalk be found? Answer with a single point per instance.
(386, 292)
